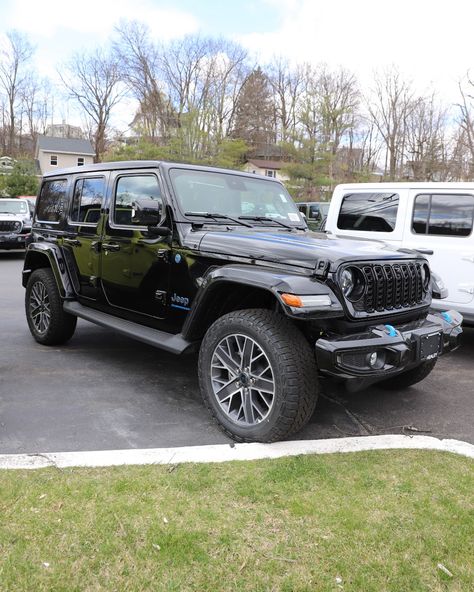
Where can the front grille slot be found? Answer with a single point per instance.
(7, 225)
(390, 286)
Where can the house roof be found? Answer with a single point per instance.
(267, 164)
(65, 145)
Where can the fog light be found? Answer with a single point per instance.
(376, 360)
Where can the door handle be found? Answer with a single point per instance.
(72, 241)
(110, 247)
(425, 251)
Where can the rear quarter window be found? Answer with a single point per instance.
(52, 201)
(374, 212)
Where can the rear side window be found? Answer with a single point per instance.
(87, 201)
(52, 201)
(443, 214)
(375, 212)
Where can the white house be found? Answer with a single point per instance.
(268, 168)
(57, 153)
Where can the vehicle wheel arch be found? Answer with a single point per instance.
(223, 296)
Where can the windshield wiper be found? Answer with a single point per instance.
(265, 219)
(217, 216)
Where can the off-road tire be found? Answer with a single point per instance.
(406, 379)
(294, 369)
(61, 326)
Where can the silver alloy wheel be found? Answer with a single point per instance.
(40, 309)
(242, 379)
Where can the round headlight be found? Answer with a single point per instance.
(347, 282)
(17, 226)
(425, 277)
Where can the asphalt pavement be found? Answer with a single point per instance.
(102, 391)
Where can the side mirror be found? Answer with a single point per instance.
(439, 290)
(163, 231)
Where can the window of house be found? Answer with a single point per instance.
(80, 161)
(53, 160)
(376, 212)
(52, 201)
(87, 200)
(443, 214)
(137, 198)
(270, 173)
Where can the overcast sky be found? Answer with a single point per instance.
(430, 41)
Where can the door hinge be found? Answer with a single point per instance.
(160, 296)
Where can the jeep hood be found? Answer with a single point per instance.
(301, 249)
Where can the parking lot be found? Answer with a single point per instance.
(104, 391)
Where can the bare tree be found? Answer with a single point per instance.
(339, 101)
(466, 118)
(287, 84)
(390, 106)
(426, 140)
(94, 82)
(140, 62)
(14, 59)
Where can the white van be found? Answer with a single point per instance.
(436, 219)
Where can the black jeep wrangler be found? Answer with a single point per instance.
(185, 258)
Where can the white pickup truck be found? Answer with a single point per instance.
(436, 219)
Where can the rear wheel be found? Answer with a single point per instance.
(410, 377)
(48, 322)
(257, 376)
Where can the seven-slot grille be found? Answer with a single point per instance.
(391, 286)
(9, 226)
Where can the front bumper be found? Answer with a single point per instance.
(384, 350)
(13, 240)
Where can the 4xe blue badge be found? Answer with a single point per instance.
(177, 258)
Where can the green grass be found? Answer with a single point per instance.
(362, 522)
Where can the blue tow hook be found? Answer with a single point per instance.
(447, 317)
(392, 332)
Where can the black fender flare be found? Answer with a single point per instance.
(274, 281)
(48, 255)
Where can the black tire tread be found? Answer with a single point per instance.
(62, 325)
(294, 355)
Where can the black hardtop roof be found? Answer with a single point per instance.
(148, 164)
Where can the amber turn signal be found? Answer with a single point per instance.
(292, 300)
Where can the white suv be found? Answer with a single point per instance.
(435, 219)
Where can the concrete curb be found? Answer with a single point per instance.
(225, 452)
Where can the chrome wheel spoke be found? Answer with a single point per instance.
(242, 379)
(40, 308)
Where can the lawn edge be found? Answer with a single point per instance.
(217, 453)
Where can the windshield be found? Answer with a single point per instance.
(250, 199)
(13, 206)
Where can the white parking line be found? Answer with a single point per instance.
(226, 452)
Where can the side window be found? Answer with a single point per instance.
(52, 201)
(443, 215)
(137, 201)
(375, 212)
(87, 200)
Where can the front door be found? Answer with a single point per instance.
(134, 264)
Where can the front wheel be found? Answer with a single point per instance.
(406, 379)
(257, 375)
(48, 322)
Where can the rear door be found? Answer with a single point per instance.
(441, 226)
(81, 237)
